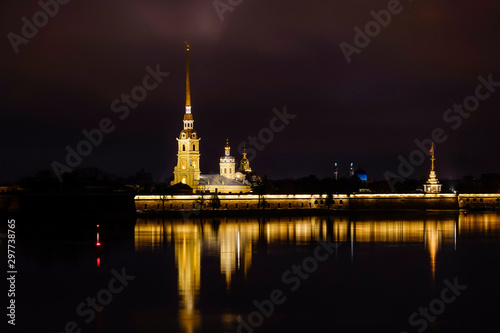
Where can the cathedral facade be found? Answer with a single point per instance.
(187, 169)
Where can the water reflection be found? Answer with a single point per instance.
(233, 241)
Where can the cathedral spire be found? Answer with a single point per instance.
(433, 158)
(432, 185)
(227, 148)
(188, 85)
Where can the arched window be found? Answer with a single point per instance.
(194, 147)
(183, 147)
(225, 170)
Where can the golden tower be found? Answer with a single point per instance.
(187, 170)
(227, 163)
(245, 163)
(432, 185)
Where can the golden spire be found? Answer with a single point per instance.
(188, 86)
(227, 148)
(432, 158)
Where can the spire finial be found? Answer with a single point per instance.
(188, 85)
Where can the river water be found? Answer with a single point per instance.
(383, 272)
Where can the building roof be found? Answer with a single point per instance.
(217, 180)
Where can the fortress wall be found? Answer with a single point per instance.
(156, 203)
(479, 201)
(354, 202)
(402, 201)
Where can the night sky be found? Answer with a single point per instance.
(263, 55)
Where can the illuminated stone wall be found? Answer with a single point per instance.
(158, 203)
(479, 201)
(241, 202)
(403, 201)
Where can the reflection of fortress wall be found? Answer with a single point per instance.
(317, 202)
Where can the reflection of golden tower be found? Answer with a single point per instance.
(245, 163)
(188, 263)
(187, 170)
(187, 255)
(432, 185)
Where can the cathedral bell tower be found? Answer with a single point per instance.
(187, 170)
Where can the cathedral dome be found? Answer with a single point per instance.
(361, 174)
(188, 134)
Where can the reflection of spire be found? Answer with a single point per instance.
(188, 262)
(188, 265)
(432, 242)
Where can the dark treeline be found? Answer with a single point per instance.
(85, 180)
(488, 183)
(96, 180)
